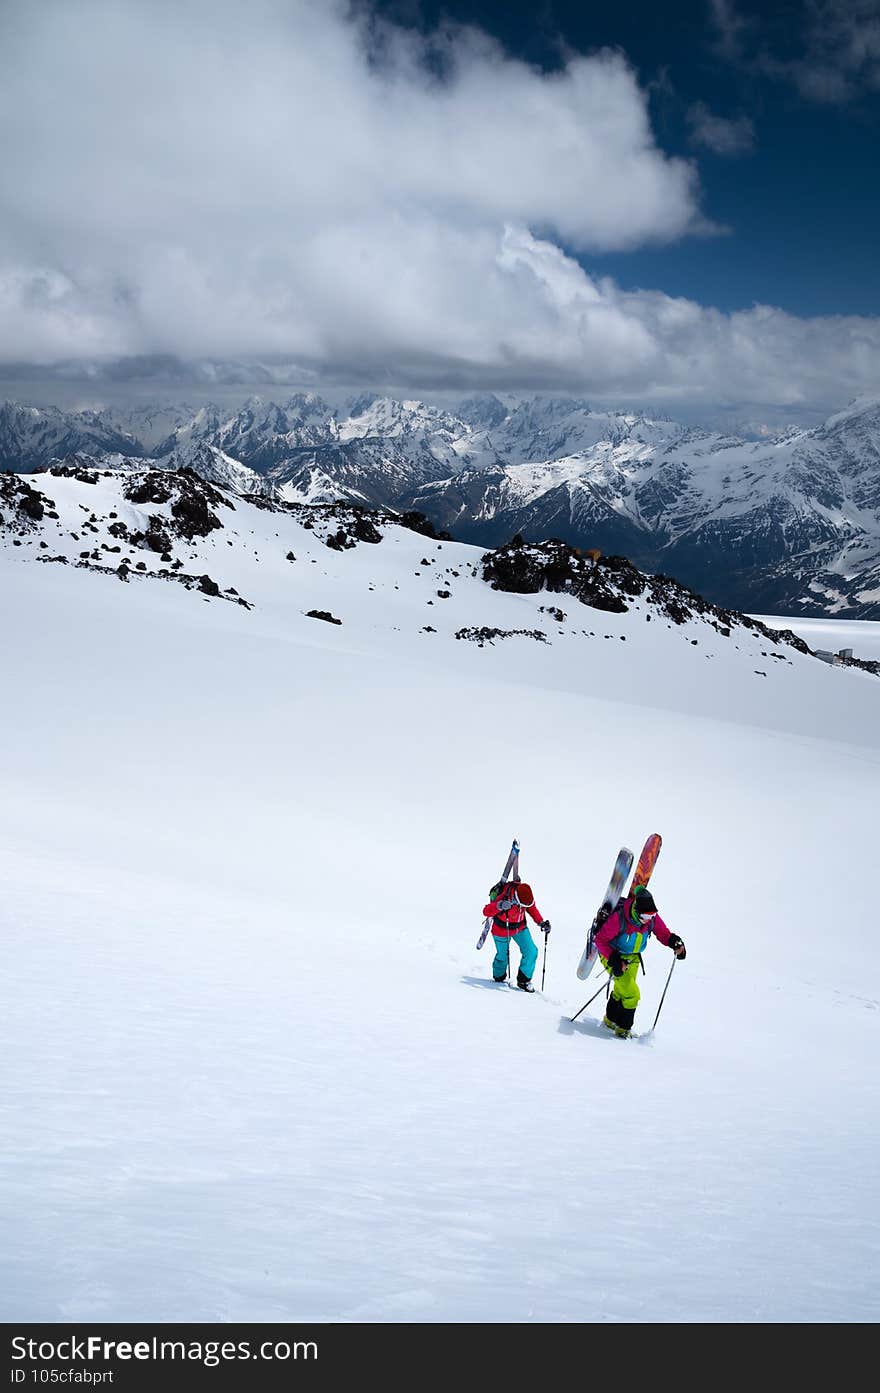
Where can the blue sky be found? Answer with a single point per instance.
(667, 207)
(778, 104)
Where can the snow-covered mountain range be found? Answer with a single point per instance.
(783, 525)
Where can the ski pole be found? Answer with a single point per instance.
(657, 1017)
(544, 965)
(592, 998)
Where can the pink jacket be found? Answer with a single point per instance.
(628, 938)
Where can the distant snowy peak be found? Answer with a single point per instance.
(358, 470)
(31, 435)
(482, 412)
(388, 418)
(546, 430)
(151, 424)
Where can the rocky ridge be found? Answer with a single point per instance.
(172, 525)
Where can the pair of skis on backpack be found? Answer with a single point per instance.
(510, 872)
(619, 876)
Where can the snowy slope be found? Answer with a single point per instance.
(257, 1071)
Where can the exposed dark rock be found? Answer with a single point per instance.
(487, 635)
(554, 565)
(340, 541)
(354, 525)
(208, 586)
(322, 614)
(157, 540)
(31, 504)
(154, 539)
(610, 583)
(191, 510)
(155, 487)
(365, 530)
(74, 471)
(24, 504)
(191, 497)
(418, 522)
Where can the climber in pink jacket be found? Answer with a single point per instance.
(620, 942)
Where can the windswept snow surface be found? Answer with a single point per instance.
(254, 1069)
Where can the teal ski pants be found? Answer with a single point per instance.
(528, 953)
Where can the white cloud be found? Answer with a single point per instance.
(830, 49)
(720, 134)
(217, 181)
(841, 59)
(650, 347)
(208, 175)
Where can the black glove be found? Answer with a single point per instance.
(602, 916)
(616, 963)
(545, 926)
(677, 946)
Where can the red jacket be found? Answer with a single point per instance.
(509, 921)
